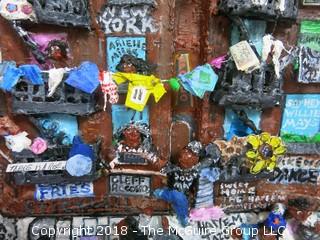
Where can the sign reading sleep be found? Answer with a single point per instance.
(301, 118)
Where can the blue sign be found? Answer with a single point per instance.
(301, 118)
(122, 116)
(59, 191)
(233, 126)
(118, 46)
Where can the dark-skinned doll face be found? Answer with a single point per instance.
(187, 158)
(128, 67)
(132, 137)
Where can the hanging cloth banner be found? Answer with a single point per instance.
(199, 80)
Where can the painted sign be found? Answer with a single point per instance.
(310, 34)
(309, 66)
(122, 116)
(221, 229)
(59, 191)
(240, 196)
(37, 166)
(311, 2)
(212, 229)
(131, 158)
(297, 169)
(118, 46)
(233, 126)
(135, 19)
(301, 118)
(131, 2)
(135, 185)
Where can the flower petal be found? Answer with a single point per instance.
(273, 159)
(274, 142)
(265, 137)
(251, 154)
(279, 150)
(258, 167)
(271, 166)
(254, 141)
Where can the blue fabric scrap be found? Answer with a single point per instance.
(79, 165)
(178, 201)
(12, 75)
(85, 77)
(275, 225)
(81, 148)
(199, 80)
(212, 174)
(32, 73)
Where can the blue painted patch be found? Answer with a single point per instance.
(61, 123)
(122, 115)
(234, 127)
(12, 7)
(118, 46)
(59, 191)
(256, 30)
(301, 115)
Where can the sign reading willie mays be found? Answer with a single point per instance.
(301, 118)
(127, 184)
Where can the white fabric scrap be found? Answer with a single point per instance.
(55, 78)
(276, 46)
(19, 13)
(19, 142)
(281, 5)
(267, 45)
(276, 54)
(109, 89)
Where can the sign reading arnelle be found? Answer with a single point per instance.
(125, 184)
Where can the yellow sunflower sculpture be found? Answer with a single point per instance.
(264, 152)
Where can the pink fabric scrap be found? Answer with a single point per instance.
(217, 62)
(205, 214)
(39, 146)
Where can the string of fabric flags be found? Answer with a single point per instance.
(87, 76)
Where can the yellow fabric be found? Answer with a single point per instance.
(140, 88)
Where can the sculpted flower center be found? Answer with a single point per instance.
(265, 151)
